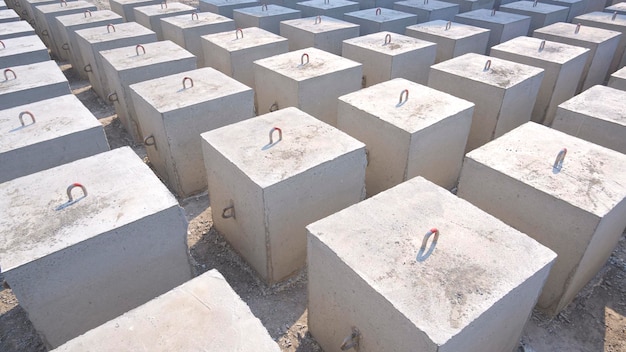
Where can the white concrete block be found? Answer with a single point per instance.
(471, 289)
(428, 10)
(576, 7)
(309, 79)
(8, 16)
(266, 17)
(22, 51)
(334, 8)
(540, 14)
(28, 10)
(132, 64)
(424, 135)
(503, 26)
(125, 8)
(225, 7)
(16, 30)
(563, 66)
(578, 209)
(93, 40)
(264, 194)
(378, 20)
(452, 39)
(321, 32)
(471, 5)
(618, 79)
(387, 55)
(595, 115)
(187, 30)
(175, 109)
(150, 16)
(620, 8)
(602, 43)
(73, 265)
(27, 84)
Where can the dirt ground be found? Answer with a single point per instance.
(594, 321)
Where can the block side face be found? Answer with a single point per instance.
(616, 81)
(273, 88)
(414, 66)
(376, 65)
(590, 128)
(34, 82)
(517, 105)
(23, 51)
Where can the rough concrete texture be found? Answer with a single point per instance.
(23, 51)
(309, 79)
(578, 210)
(30, 83)
(576, 7)
(540, 14)
(335, 8)
(16, 30)
(452, 39)
(63, 130)
(150, 16)
(471, 5)
(472, 289)
(187, 30)
(502, 26)
(263, 195)
(602, 43)
(93, 40)
(132, 64)
(174, 111)
(387, 55)
(125, 8)
(8, 16)
(225, 7)
(563, 67)
(203, 314)
(620, 8)
(377, 20)
(427, 11)
(69, 267)
(595, 115)
(425, 135)
(28, 10)
(618, 79)
(321, 32)
(504, 92)
(266, 17)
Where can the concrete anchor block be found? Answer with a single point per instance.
(403, 136)
(417, 269)
(620, 8)
(452, 39)
(472, 5)
(335, 9)
(27, 11)
(540, 14)
(21, 85)
(225, 7)
(8, 16)
(563, 64)
(321, 32)
(576, 7)
(16, 30)
(618, 79)
(564, 192)
(378, 20)
(23, 51)
(125, 8)
(266, 189)
(428, 10)
(266, 17)
(175, 109)
(83, 242)
(150, 16)
(503, 26)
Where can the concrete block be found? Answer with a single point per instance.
(602, 44)
(16, 30)
(54, 132)
(68, 25)
(540, 14)
(618, 79)
(472, 289)
(268, 191)
(563, 66)
(93, 40)
(125, 8)
(23, 51)
(150, 16)
(133, 64)
(175, 109)
(578, 209)
(428, 10)
(28, 10)
(225, 7)
(309, 79)
(471, 5)
(3, 5)
(387, 55)
(187, 30)
(335, 9)
(452, 39)
(504, 92)
(576, 7)
(595, 115)
(234, 55)
(620, 8)
(378, 20)
(403, 140)
(27, 84)
(325, 33)
(266, 17)
(75, 264)
(205, 306)
(503, 26)
(8, 16)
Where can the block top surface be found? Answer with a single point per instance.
(16, 27)
(584, 34)
(40, 2)
(190, 20)
(54, 118)
(132, 2)
(476, 261)
(105, 33)
(326, 5)
(385, 15)
(501, 73)
(319, 63)
(229, 2)
(319, 25)
(88, 17)
(600, 102)
(534, 7)
(8, 14)
(306, 143)
(552, 51)
(34, 75)
(65, 6)
(25, 44)
(620, 6)
(31, 227)
(423, 107)
(167, 93)
(398, 43)
(427, 5)
(163, 10)
(500, 17)
(265, 10)
(621, 73)
(455, 31)
(131, 57)
(252, 37)
(603, 17)
(592, 177)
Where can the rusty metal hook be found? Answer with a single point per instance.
(109, 26)
(6, 76)
(487, 65)
(560, 158)
(427, 236)
(185, 80)
(228, 212)
(153, 143)
(112, 97)
(87, 12)
(577, 28)
(542, 45)
(378, 11)
(3, 46)
(264, 7)
(280, 135)
(302, 59)
(21, 117)
(194, 14)
(400, 102)
(142, 48)
(318, 20)
(237, 31)
(163, 3)
(71, 187)
(448, 25)
(387, 39)
(352, 340)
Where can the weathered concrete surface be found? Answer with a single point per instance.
(618, 79)
(23, 51)
(225, 7)
(620, 8)
(321, 32)
(335, 8)
(576, 7)
(32, 83)
(427, 11)
(471, 290)
(125, 8)
(16, 30)
(150, 16)
(578, 211)
(8, 16)
(266, 17)
(28, 10)
(377, 20)
(502, 26)
(540, 14)
(471, 5)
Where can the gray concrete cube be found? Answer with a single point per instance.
(540, 14)
(335, 8)
(125, 8)
(16, 30)
(618, 79)
(471, 5)
(150, 16)
(576, 7)
(23, 51)
(502, 26)
(266, 17)
(321, 32)
(428, 10)
(225, 7)
(377, 20)
(27, 84)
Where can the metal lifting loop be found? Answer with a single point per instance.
(88, 68)
(378, 11)
(228, 212)
(274, 107)
(185, 80)
(237, 31)
(163, 4)
(326, 2)
(318, 20)
(65, 46)
(21, 117)
(427, 236)
(387, 39)
(614, 16)
(280, 135)
(577, 28)
(487, 65)
(87, 12)
(406, 91)
(71, 187)
(146, 141)
(542, 45)
(425, 2)
(3, 46)
(109, 26)
(448, 25)
(352, 340)
(6, 76)
(63, 2)
(45, 33)
(302, 63)
(560, 158)
(112, 97)
(194, 14)
(535, 3)
(142, 48)
(493, 12)
(264, 7)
